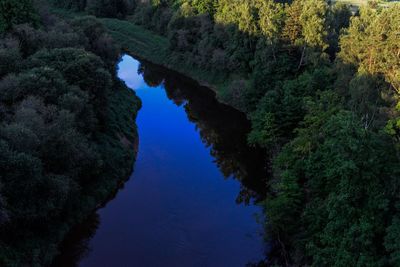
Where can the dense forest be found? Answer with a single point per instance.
(321, 86)
(65, 122)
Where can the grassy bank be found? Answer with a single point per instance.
(145, 44)
(137, 40)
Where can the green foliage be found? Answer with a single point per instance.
(372, 44)
(321, 90)
(282, 108)
(312, 20)
(338, 19)
(271, 22)
(137, 40)
(103, 8)
(348, 174)
(9, 56)
(110, 8)
(205, 6)
(13, 12)
(356, 179)
(98, 41)
(392, 241)
(78, 5)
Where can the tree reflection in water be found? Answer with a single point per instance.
(221, 127)
(76, 246)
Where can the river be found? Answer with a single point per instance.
(191, 198)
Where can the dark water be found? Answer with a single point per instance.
(190, 200)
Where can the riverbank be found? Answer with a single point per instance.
(148, 45)
(117, 143)
(145, 44)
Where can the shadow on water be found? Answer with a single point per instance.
(222, 129)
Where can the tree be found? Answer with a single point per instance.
(392, 240)
(372, 45)
(292, 31)
(97, 39)
(338, 19)
(314, 30)
(9, 56)
(306, 28)
(271, 19)
(348, 180)
(242, 14)
(13, 12)
(205, 6)
(80, 68)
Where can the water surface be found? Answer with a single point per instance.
(189, 201)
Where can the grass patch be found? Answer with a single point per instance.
(145, 44)
(137, 40)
